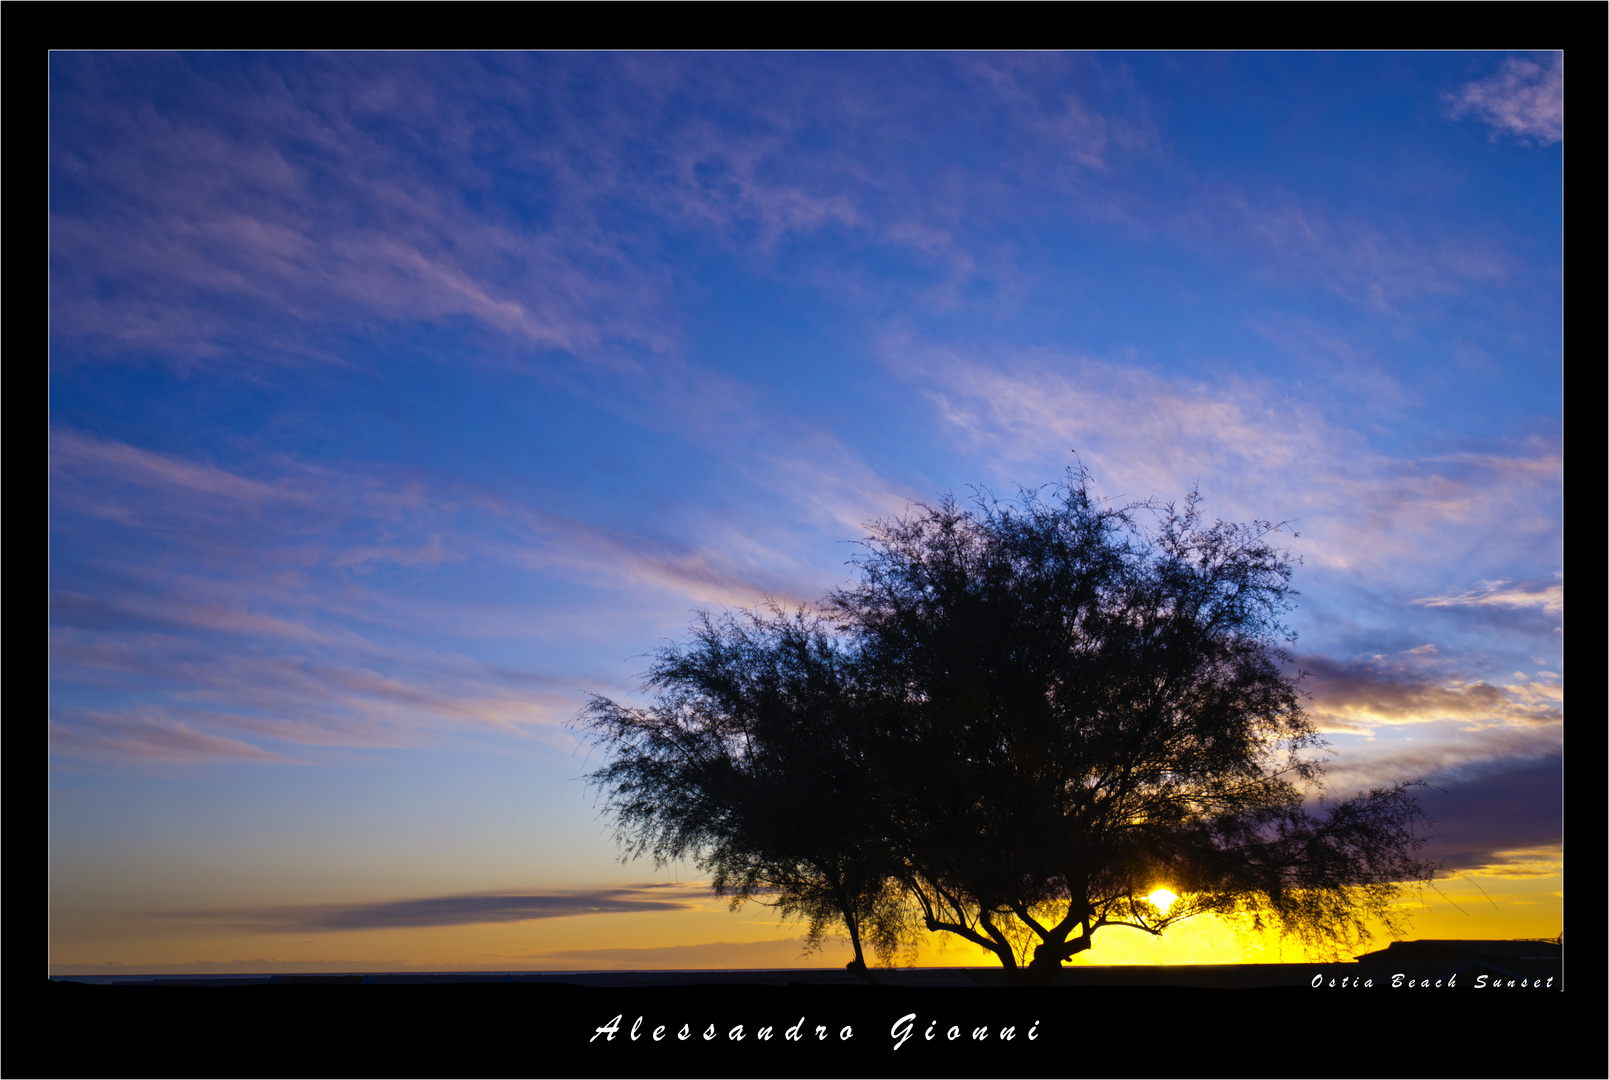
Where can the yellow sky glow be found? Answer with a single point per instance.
(710, 936)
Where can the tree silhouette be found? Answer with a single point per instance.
(1020, 723)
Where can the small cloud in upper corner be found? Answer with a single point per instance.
(1524, 99)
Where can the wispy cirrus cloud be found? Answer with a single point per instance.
(543, 542)
(541, 204)
(234, 622)
(77, 453)
(291, 198)
(286, 199)
(1367, 262)
(1059, 115)
(147, 734)
(263, 615)
(354, 519)
(299, 517)
(1257, 451)
(1524, 100)
(1548, 596)
(238, 695)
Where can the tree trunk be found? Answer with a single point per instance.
(852, 922)
(1055, 949)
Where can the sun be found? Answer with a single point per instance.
(1162, 899)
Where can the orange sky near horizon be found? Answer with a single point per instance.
(1525, 902)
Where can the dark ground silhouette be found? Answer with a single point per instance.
(1132, 1021)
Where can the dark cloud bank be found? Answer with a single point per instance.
(459, 910)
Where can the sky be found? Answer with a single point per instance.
(400, 401)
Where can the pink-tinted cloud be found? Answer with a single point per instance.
(1034, 88)
(342, 697)
(1256, 451)
(1368, 695)
(285, 197)
(249, 621)
(1524, 99)
(283, 202)
(75, 453)
(162, 610)
(431, 553)
(1363, 261)
(1547, 596)
(148, 736)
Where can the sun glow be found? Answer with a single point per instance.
(1162, 899)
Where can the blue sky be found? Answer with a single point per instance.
(399, 400)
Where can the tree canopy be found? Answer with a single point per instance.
(1021, 721)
